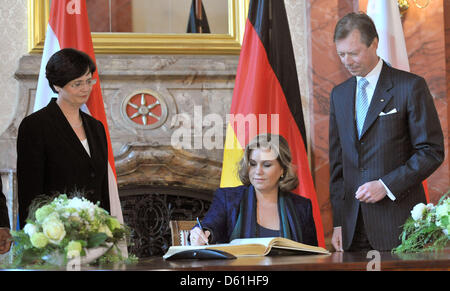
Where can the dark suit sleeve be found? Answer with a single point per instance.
(427, 141)
(215, 220)
(336, 168)
(4, 217)
(30, 166)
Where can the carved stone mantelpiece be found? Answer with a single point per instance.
(165, 166)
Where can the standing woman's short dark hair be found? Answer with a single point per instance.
(359, 21)
(66, 65)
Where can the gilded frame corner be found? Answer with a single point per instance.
(147, 43)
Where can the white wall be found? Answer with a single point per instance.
(13, 44)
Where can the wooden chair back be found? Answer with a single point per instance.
(180, 231)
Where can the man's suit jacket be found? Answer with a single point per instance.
(4, 217)
(51, 159)
(224, 211)
(402, 149)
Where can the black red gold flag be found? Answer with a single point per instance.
(267, 85)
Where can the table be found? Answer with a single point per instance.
(257, 272)
(346, 261)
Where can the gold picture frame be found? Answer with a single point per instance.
(148, 43)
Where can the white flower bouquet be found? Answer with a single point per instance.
(65, 229)
(427, 229)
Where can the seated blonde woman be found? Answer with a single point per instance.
(264, 205)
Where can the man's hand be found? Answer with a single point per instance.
(371, 192)
(336, 239)
(5, 240)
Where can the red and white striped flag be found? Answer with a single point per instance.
(68, 27)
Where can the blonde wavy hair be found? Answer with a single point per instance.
(289, 181)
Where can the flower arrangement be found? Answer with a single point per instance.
(64, 229)
(427, 229)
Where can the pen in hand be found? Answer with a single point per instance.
(201, 228)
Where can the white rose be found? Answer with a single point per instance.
(30, 229)
(418, 211)
(442, 210)
(38, 240)
(75, 203)
(73, 249)
(54, 230)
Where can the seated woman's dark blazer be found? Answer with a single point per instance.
(224, 210)
(51, 159)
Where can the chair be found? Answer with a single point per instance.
(180, 231)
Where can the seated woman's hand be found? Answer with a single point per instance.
(198, 237)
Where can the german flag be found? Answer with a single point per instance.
(266, 98)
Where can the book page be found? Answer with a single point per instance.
(266, 241)
(237, 250)
(252, 247)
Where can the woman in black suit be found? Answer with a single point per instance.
(61, 149)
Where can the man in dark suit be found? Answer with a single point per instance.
(5, 237)
(385, 139)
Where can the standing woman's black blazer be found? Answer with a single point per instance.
(51, 159)
(4, 218)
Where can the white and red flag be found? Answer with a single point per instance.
(68, 27)
(391, 46)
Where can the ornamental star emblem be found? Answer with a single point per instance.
(145, 109)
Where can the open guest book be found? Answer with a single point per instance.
(244, 247)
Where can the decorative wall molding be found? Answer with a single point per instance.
(165, 166)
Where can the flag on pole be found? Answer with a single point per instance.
(197, 22)
(266, 97)
(391, 45)
(68, 27)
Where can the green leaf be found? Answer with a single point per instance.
(96, 239)
(445, 220)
